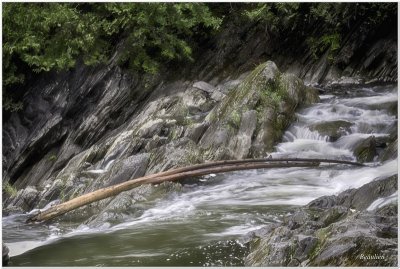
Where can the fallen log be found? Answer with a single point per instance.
(175, 174)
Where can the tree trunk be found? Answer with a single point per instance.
(176, 174)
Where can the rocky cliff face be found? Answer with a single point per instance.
(180, 123)
(94, 127)
(362, 56)
(67, 113)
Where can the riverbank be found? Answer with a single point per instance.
(358, 227)
(214, 213)
(249, 93)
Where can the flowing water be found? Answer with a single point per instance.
(202, 223)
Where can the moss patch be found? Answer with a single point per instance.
(9, 189)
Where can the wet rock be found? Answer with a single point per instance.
(267, 134)
(117, 208)
(324, 202)
(332, 215)
(273, 98)
(155, 142)
(229, 85)
(387, 210)
(343, 81)
(129, 168)
(271, 252)
(196, 101)
(364, 196)
(129, 204)
(359, 199)
(204, 86)
(247, 122)
(70, 111)
(390, 153)
(216, 136)
(269, 71)
(217, 96)
(305, 244)
(180, 152)
(241, 143)
(51, 192)
(151, 128)
(26, 198)
(332, 231)
(196, 131)
(349, 242)
(333, 129)
(11, 210)
(365, 151)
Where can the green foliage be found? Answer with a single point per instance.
(42, 37)
(45, 36)
(278, 17)
(157, 32)
(9, 189)
(52, 158)
(10, 105)
(39, 37)
(328, 42)
(234, 119)
(334, 20)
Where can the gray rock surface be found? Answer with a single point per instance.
(183, 127)
(390, 152)
(26, 199)
(204, 86)
(365, 150)
(333, 129)
(342, 230)
(81, 112)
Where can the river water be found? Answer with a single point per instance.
(202, 223)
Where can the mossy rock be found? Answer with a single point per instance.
(390, 153)
(332, 231)
(274, 97)
(333, 129)
(365, 151)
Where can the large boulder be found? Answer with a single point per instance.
(26, 199)
(254, 115)
(355, 228)
(333, 129)
(365, 150)
(390, 152)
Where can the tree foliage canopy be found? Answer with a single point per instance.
(51, 36)
(39, 37)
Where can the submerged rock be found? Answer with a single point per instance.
(390, 153)
(365, 150)
(342, 230)
(333, 129)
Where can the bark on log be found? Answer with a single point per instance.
(176, 174)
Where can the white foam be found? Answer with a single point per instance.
(18, 248)
(96, 171)
(371, 100)
(380, 202)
